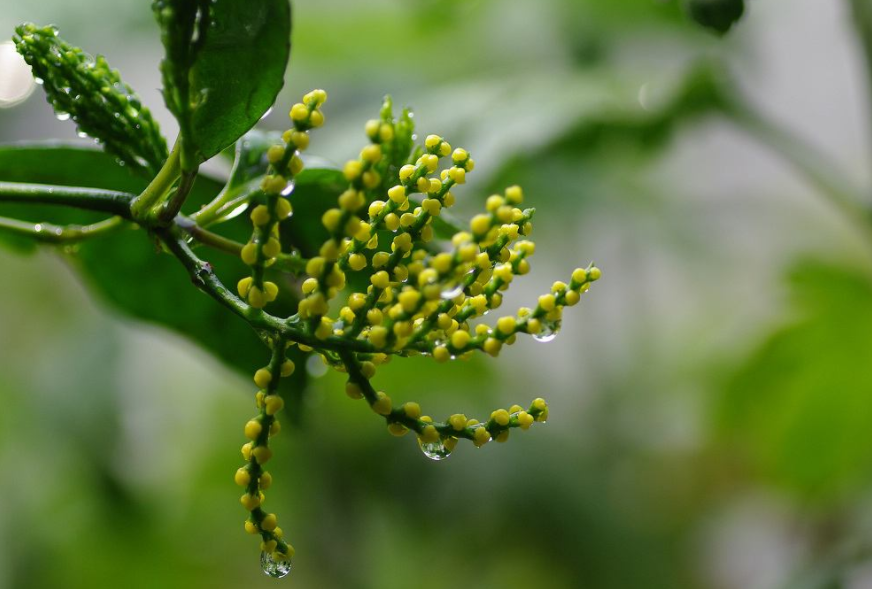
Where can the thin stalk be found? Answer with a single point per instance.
(227, 201)
(174, 205)
(91, 199)
(159, 186)
(208, 238)
(58, 234)
(203, 276)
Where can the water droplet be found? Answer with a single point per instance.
(288, 189)
(235, 212)
(267, 113)
(81, 134)
(315, 366)
(63, 116)
(452, 291)
(274, 568)
(434, 450)
(548, 332)
(39, 81)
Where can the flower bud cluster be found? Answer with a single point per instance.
(422, 296)
(265, 246)
(256, 452)
(92, 94)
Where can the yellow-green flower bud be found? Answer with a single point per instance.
(382, 405)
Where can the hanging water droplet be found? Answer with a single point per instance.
(548, 332)
(81, 134)
(275, 568)
(39, 81)
(63, 116)
(315, 366)
(288, 189)
(434, 450)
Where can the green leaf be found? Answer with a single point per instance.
(717, 15)
(93, 95)
(799, 411)
(224, 66)
(126, 268)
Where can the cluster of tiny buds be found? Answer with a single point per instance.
(264, 247)
(252, 477)
(421, 298)
(438, 439)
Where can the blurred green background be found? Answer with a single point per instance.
(711, 398)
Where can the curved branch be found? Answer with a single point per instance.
(91, 199)
(50, 233)
(203, 276)
(495, 427)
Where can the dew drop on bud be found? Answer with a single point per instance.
(452, 291)
(548, 332)
(434, 450)
(275, 567)
(288, 189)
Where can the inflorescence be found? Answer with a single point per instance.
(421, 298)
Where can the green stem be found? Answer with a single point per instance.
(91, 199)
(293, 263)
(159, 186)
(815, 167)
(206, 237)
(227, 201)
(862, 10)
(174, 205)
(203, 276)
(398, 415)
(118, 203)
(49, 233)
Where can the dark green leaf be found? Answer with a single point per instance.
(800, 409)
(127, 268)
(224, 66)
(92, 94)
